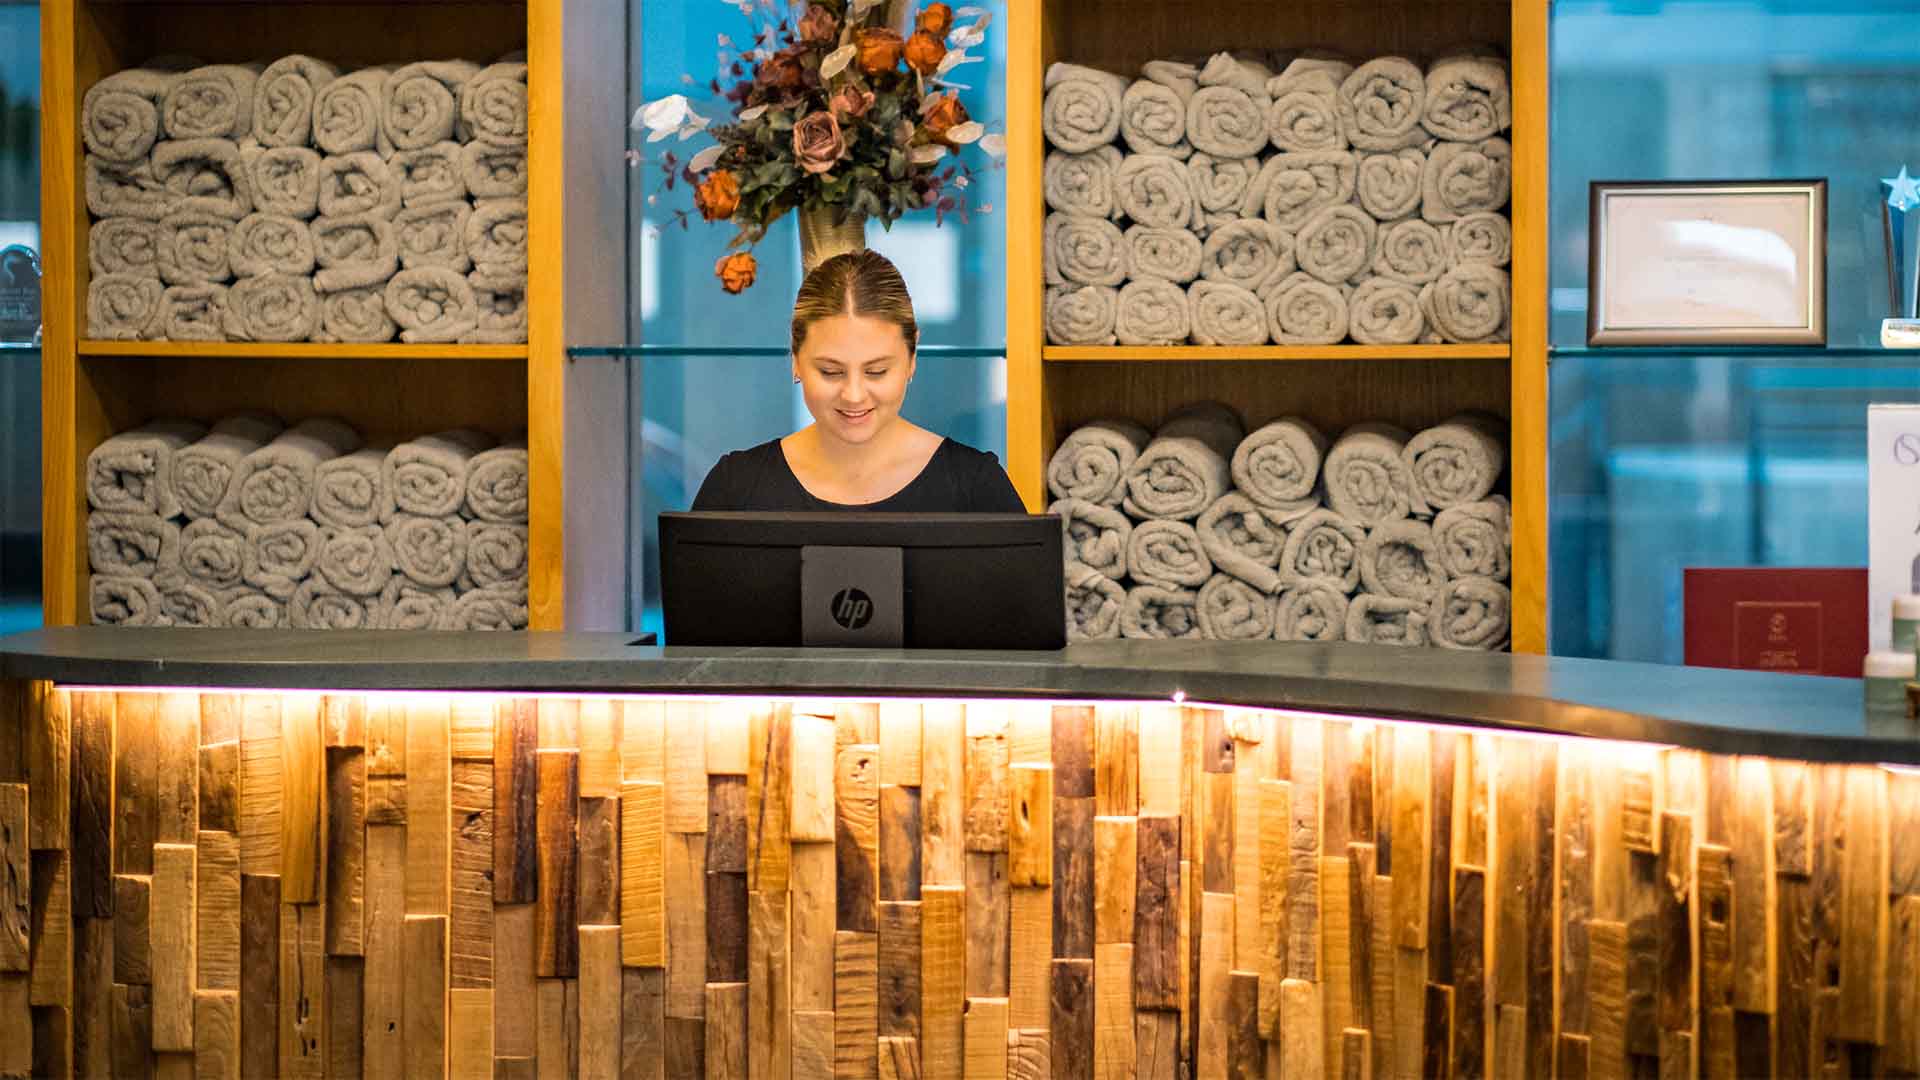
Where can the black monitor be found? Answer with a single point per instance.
(918, 581)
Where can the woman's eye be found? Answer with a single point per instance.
(881, 374)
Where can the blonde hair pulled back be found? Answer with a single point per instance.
(859, 282)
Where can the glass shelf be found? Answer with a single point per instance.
(1871, 355)
(648, 351)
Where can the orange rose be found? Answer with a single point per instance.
(945, 112)
(717, 196)
(924, 52)
(880, 50)
(736, 271)
(818, 143)
(851, 101)
(935, 19)
(818, 25)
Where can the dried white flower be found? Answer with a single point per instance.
(837, 61)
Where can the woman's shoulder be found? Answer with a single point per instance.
(732, 482)
(983, 483)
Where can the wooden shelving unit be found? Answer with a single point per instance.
(1052, 389)
(576, 453)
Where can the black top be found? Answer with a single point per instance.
(957, 480)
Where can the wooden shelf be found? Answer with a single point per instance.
(1117, 353)
(254, 350)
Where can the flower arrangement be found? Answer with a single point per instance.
(833, 110)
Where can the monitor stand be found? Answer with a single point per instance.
(852, 597)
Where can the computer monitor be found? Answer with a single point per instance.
(918, 581)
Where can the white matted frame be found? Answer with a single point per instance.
(1715, 262)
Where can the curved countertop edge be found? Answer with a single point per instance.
(1728, 712)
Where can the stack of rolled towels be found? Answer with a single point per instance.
(297, 201)
(1224, 204)
(1204, 530)
(251, 523)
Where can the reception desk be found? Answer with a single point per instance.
(233, 853)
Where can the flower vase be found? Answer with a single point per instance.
(821, 239)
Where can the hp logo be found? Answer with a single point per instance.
(852, 609)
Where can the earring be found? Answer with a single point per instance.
(796, 380)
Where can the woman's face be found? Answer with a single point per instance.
(853, 373)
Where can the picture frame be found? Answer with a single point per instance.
(1707, 262)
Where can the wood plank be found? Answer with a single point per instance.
(1863, 906)
(1030, 957)
(1156, 913)
(343, 722)
(1902, 1053)
(1156, 1041)
(900, 743)
(726, 1031)
(1215, 983)
(1030, 826)
(1384, 1046)
(1073, 879)
(599, 748)
(1072, 1020)
(943, 979)
(1072, 751)
(429, 808)
(49, 771)
(686, 878)
(136, 782)
(1303, 860)
(1412, 832)
(1639, 811)
(643, 1019)
(16, 1026)
(1250, 953)
(987, 779)
(514, 983)
(303, 991)
(813, 1043)
(856, 794)
(170, 936)
(1437, 1039)
(216, 1034)
(559, 720)
(1439, 867)
(93, 997)
(1512, 871)
(386, 735)
(601, 995)
(558, 1054)
(770, 790)
(898, 998)
(383, 1028)
(259, 974)
(989, 922)
(727, 724)
(93, 805)
(687, 1044)
(1510, 1040)
(726, 927)
(1713, 910)
(986, 1039)
(943, 795)
(811, 799)
(347, 1018)
(50, 938)
(1114, 1054)
(1469, 971)
(471, 925)
(1336, 955)
(856, 957)
(899, 1058)
(642, 896)
(346, 850)
(302, 801)
(1540, 947)
(598, 829)
(1216, 739)
(219, 783)
(1213, 813)
(19, 702)
(1115, 866)
(899, 842)
(1643, 954)
(1159, 767)
(132, 1032)
(727, 824)
(216, 913)
(1300, 1011)
(1116, 757)
(1754, 970)
(769, 989)
(262, 772)
(1607, 982)
(1903, 819)
(643, 741)
(810, 956)
(470, 728)
(1410, 1011)
(686, 741)
(1276, 847)
(470, 1028)
(132, 899)
(516, 805)
(1574, 887)
(557, 942)
(52, 1041)
(1676, 922)
(1573, 1058)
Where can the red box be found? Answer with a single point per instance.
(1809, 620)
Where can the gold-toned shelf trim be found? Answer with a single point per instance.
(256, 350)
(1111, 353)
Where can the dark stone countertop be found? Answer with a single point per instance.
(1721, 711)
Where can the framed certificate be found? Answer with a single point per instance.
(1715, 262)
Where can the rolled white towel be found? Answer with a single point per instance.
(285, 180)
(132, 472)
(1470, 303)
(1095, 603)
(1252, 253)
(1399, 558)
(1167, 254)
(114, 600)
(356, 315)
(347, 111)
(130, 544)
(358, 562)
(1165, 552)
(431, 174)
(497, 483)
(1153, 111)
(1092, 462)
(1476, 539)
(273, 307)
(1081, 314)
(357, 183)
(195, 248)
(126, 189)
(488, 609)
(1226, 314)
(497, 234)
(1081, 109)
(493, 104)
(350, 491)
(1220, 185)
(422, 103)
(1230, 609)
(1152, 311)
(1323, 546)
(271, 244)
(1305, 114)
(496, 557)
(1381, 104)
(428, 476)
(1468, 98)
(1155, 190)
(1152, 612)
(1484, 237)
(1366, 477)
(1094, 536)
(283, 100)
(1241, 539)
(1311, 610)
(204, 176)
(120, 114)
(1473, 613)
(1387, 620)
(405, 605)
(203, 471)
(433, 235)
(211, 102)
(186, 602)
(275, 482)
(1082, 183)
(1337, 243)
(1083, 250)
(1383, 311)
(281, 555)
(213, 554)
(1183, 470)
(1389, 184)
(1466, 178)
(500, 307)
(317, 605)
(354, 252)
(1227, 116)
(494, 172)
(251, 609)
(1411, 250)
(1456, 462)
(430, 551)
(1277, 466)
(124, 307)
(192, 313)
(1290, 188)
(123, 245)
(1302, 310)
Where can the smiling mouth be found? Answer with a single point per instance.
(861, 415)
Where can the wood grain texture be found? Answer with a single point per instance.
(136, 781)
(898, 997)
(986, 1038)
(302, 801)
(346, 850)
(1072, 757)
(303, 991)
(811, 929)
(16, 1026)
(770, 790)
(1115, 866)
(899, 842)
(170, 935)
(49, 748)
(429, 808)
(559, 721)
(855, 1005)
(558, 947)
(216, 1034)
(470, 1022)
(515, 985)
(1114, 1052)
(599, 748)
(1072, 1020)
(1030, 826)
(987, 780)
(1300, 1011)
(1675, 921)
(989, 919)
(769, 989)
(813, 1043)
(16, 884)
(1030, 958)
(686, 879)
(132, 1054)
(642, 893)
(727, 824)
(900, 743)
(262, 768)
(1276, 848)
(92, 1009)
(1116, 760)
(1336, 956)
(1902, 1052)
(1469, 972)
(471, 925)
(516, 805)
(856, 844)
(598, 833)
(1074, 886)
(1156, 913)
(557, 1056)
(383, 1026)
(811, 802)
(93, 805)
(726, 1031)
(943, 794)
(1863, 906)
(686, 742)
(346, 1016)
(726, 927)
(943, 979)
(601, 999)
(1215, 984)
(1156, 1043)
(643, 1023)
(50, 944)
(260, 974)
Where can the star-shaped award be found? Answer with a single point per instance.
(1905, 193)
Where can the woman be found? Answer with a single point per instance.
(853, 342)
